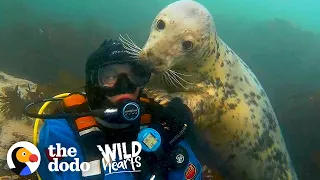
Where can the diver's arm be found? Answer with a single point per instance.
(57, 131)
(193, 169)
(178, 121)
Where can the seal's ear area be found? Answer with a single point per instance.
(187, 45)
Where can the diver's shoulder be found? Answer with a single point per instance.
(55, 126)
(51, 123)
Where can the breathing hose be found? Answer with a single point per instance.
(36, 123)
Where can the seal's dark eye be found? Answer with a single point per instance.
(160, 24)
(187, 45)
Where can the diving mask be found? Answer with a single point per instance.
(109, 75)
(115, 78)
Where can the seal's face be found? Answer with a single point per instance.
(178, 35)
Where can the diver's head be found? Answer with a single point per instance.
(112, 75)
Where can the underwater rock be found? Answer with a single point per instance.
(7, 174)
(209, 174)
(13, 124)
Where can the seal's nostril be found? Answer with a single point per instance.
(149, 54)
(143, 56)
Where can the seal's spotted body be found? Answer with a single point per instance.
(231, 109)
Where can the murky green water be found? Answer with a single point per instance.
(278, 39)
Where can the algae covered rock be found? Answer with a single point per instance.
(14, 126)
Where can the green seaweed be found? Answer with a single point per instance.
(11, 103)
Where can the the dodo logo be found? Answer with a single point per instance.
(23, 158)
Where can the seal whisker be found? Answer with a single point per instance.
(176, 80)
(173, 73)
(180, 73)
(129, 45)
(129, 48)
(168, 79)
(165, 77)
(132, 42)
(135, 57)
(171, 79)
(132, 53)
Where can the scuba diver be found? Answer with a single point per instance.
(113, 99)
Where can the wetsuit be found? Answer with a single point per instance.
(59, 131)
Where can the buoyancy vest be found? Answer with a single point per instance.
(90, 134)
